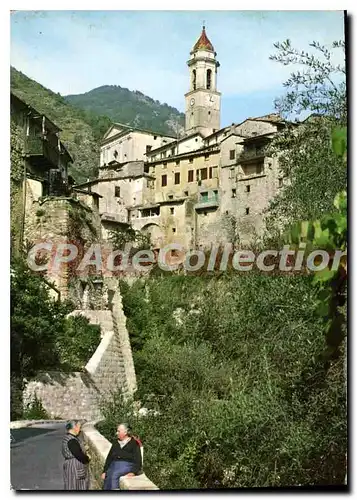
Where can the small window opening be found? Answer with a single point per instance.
(209, 78)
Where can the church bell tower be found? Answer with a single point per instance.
(203, 102)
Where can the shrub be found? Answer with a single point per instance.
(244, 398)
(34, 410)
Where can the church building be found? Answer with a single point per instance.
(208, 186)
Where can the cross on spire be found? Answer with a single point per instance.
(203, 24)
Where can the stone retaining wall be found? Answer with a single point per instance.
(81, 394)
(98, 447)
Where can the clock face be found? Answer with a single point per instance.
(192, 102)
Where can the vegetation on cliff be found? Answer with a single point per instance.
(232, 366)
(131, 108)
(42, 337)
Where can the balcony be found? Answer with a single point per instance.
(252, 155)
(208, 202)
(41, 154)
(121, 218)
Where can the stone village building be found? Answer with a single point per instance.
(210, 185)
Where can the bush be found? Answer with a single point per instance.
(77, 342)
(35, 411)
(233, 367)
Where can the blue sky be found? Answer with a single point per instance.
(72, 52)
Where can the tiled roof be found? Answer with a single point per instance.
(203, 42)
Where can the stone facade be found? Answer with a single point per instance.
(122, 144)
(58, 220)
(210, 186)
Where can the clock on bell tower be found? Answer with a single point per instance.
(203, 101)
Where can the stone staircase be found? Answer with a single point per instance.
(80, 394)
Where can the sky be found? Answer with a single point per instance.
(72, 52)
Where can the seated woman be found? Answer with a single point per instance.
(124, 459)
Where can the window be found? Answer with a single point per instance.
(185, 193)
(172, 151)
(204, 196)
(247, 188)
(164, 164)
(247, 211)
(203, 174)
(190, 176)
(210, 172)
(206, 156)
(209, 112)
(177, 162)
(171, 196)
(164, 180)
(177, 178)
(232, 154)
(260, 168)
(155, 137)
(117, 191)
(209, 78)
(148, 148)
(174, 230)
(234, 193)
(194, 79)
(215, 195)
(191, 160)
(115, 154)
(172, 210)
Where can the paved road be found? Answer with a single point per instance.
(36, 460)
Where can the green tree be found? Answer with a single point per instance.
(42, 336)
(315, 174)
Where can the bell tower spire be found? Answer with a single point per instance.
(203, 101)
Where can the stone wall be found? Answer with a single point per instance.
(80, 395)
(60, 220)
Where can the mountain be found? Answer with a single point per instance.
(83, 124)
(131, 108)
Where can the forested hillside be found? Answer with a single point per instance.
(85, 118)
(132, 108)
(81, 131)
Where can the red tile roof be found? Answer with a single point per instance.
(203, 42)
